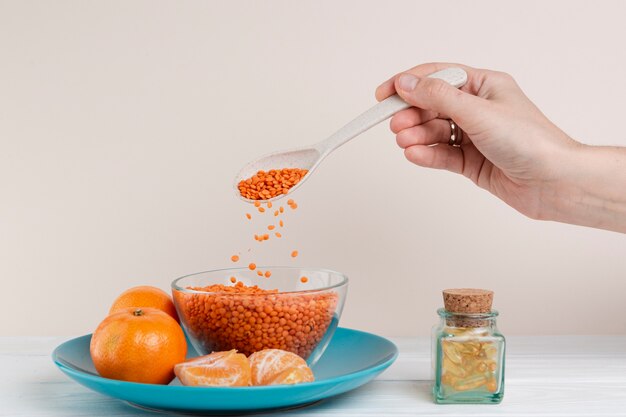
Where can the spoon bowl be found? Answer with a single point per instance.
(304, 158)
(310, 157)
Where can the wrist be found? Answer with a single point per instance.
(590, 189)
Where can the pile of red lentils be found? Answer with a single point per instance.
(249, 318)
(266, 185)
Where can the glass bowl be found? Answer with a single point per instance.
(297, 316)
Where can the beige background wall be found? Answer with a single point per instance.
(123, 123)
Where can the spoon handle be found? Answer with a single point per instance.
(456, 77)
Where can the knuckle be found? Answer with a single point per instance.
(504, 77)
(436, 88)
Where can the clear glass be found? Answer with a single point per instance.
(300, 317)
(468, 359)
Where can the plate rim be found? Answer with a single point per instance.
(386, 362)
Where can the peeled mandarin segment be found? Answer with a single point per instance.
(293, 376)
(220, 369)
(276, 366)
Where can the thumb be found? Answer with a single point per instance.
(439, 96)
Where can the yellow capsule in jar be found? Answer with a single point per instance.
(492, 384)
(453, 368)
(448, 379)
(490, 350)
(451, 352)
(470, 383)
(471, 348)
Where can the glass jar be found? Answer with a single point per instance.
(467, 358)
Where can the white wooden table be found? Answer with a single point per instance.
(545, 376)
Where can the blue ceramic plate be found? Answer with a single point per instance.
(352, 359)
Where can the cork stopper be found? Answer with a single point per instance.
(467, 301)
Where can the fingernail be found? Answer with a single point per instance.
(407, 82)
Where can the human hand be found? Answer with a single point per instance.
(509, 148)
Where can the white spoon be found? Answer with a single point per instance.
(310, 157)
